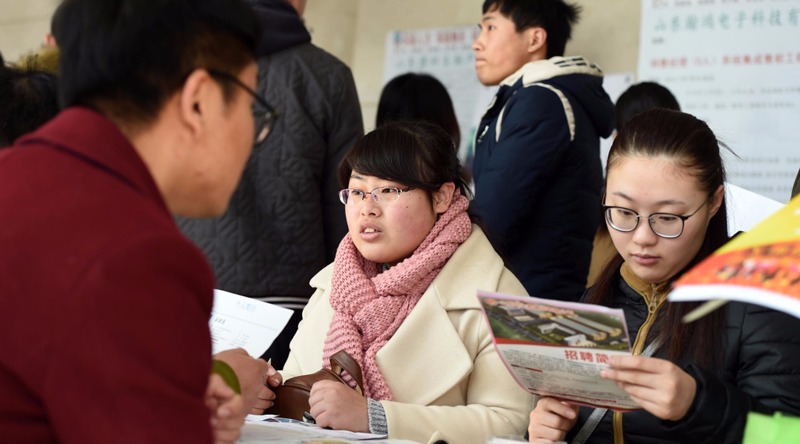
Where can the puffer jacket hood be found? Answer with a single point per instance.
(580, 78)
(281, 26)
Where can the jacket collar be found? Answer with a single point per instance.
(86, 134)
(644, 288)
(539, 70)
(429, 322)
(453, 289)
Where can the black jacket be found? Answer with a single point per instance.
(538, 175)
(761, 372)
(285, 220)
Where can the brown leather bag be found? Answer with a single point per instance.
(291, 398)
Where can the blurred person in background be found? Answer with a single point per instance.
(285, 220)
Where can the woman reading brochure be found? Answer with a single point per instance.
(664, 207)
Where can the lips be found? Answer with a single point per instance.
(645, 259)
(369, 233)
(368, 229)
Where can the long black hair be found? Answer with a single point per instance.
(418, 97)
(692, 146)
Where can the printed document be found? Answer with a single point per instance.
(286, 430)
(558, 349)
(241, 322)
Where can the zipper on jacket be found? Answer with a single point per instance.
(654, 303)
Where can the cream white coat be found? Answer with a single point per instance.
(445, 375)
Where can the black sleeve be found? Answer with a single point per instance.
(762, 366)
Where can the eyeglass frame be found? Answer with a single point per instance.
(263, 122)
(372, 194)
(683, 219)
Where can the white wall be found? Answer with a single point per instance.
(608, 33)
(355, 31)
(23, 25)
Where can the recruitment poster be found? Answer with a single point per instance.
(444, 53)
(735, 64)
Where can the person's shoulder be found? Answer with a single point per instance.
(311, 56)
(757, 320)
(539, 98)
(474, 265)
(532, 106)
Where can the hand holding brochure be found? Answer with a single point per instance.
(241, 322)
(557, 349)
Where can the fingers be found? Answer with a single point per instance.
(658, 386)
(560, 408)
(636, 362)
(551, 420)
(638, 370)
(333, 404)
(217, 390)
(227, 420)
(264, 400)
(318, 408)
(274, 379)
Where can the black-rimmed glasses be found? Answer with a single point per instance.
(264, 115)
(666, 225)
(379, 195)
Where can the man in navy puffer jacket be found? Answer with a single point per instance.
(537, 164)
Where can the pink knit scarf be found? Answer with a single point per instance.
(370, 306)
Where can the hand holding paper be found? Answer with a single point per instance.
(557, 349)
(256, 377)
(551, 420)
(242, 329)
(657, 385)
(241, 322)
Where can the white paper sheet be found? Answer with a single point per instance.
(241, 322)
(291, 431)
(558, 349)
(746, 208)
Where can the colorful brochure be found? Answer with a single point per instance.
(761, 266)
(557, 349)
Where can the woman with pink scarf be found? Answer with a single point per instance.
(400, 299)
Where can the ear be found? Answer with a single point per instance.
(192, 101)
(536, 38)
(50, 40)
(443, 197)
(716, 201)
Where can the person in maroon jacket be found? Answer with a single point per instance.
(105, 304)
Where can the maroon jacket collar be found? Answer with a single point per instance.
(87, 134)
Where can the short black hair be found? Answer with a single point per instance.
(555, 16)
(29, 99)
(414, 153)
(125, 58)
(419, 97)
(642, 97)
(56, 21)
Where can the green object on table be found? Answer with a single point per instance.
(227, 373)
(777, 429)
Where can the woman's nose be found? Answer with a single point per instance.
(369, 206)
(643, 234)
